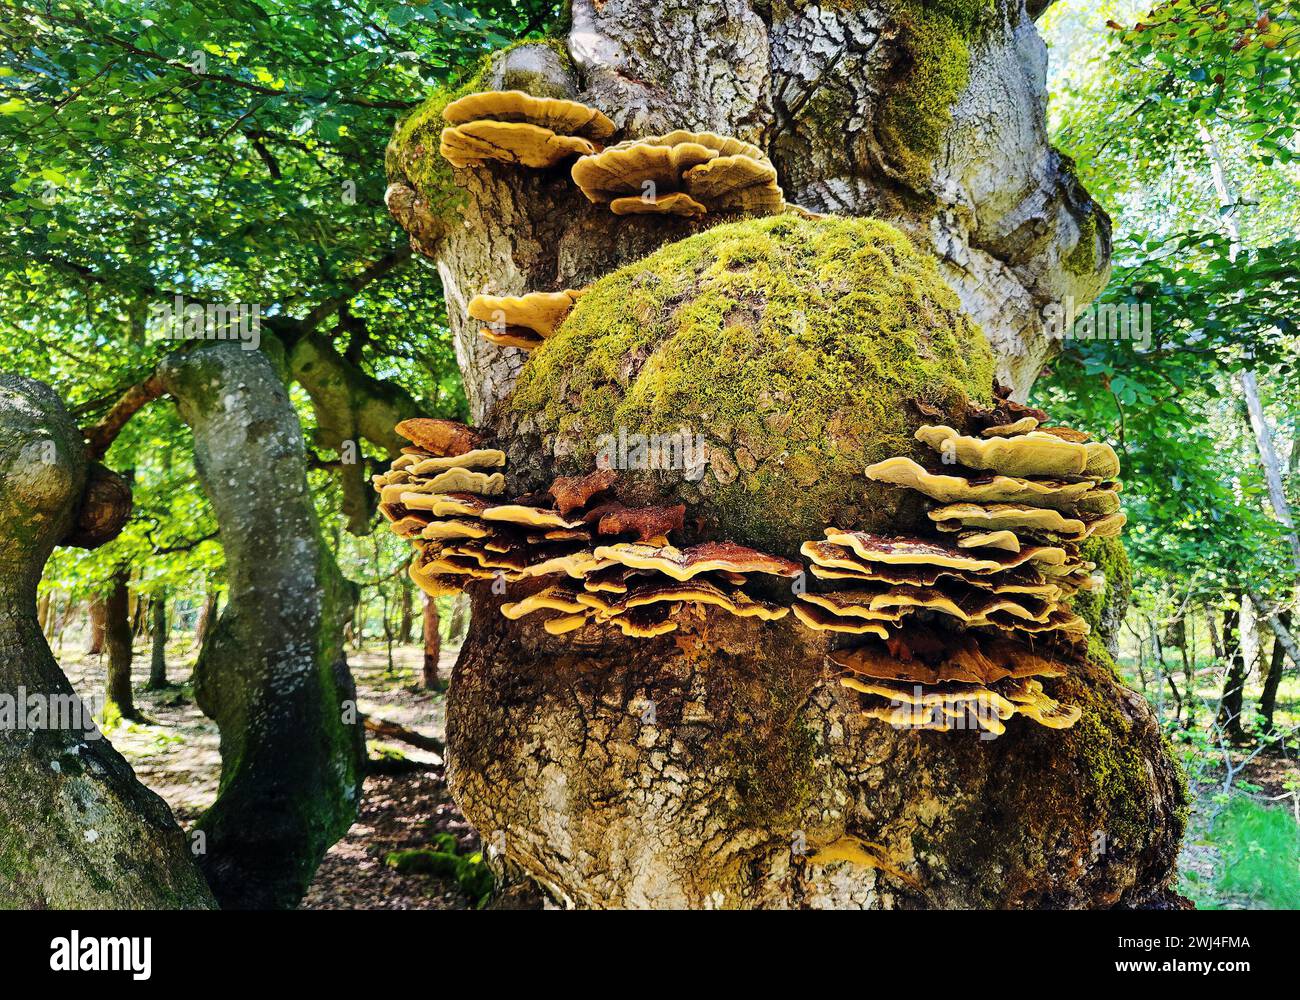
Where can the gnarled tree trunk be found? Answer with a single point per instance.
(703, 768)
(272, 672)
(77, 830)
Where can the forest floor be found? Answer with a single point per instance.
(175, 750)
(1238, 852)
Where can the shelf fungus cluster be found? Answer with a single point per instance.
(963, 625)
(681, 173)
(524, 321)
(514, 127)
(580, 556)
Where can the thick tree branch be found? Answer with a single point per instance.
(101, 436)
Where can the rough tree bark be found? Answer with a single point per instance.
(76, 827)
(693, 771)
(272, 672)
(118, 637)
(158, 652)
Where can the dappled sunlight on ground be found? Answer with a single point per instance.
(175, 750)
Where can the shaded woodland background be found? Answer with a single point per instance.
(233, 152)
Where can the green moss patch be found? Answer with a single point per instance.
(796, 347)
(934, 38)
(1082, 260)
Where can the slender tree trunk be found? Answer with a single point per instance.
(139, 615)
(95, 627)
(118, 637)
(158, 655)
(57, 621)
(432, 644)
(272, 672)
(1268, 697)
(406, 624)
(43, 611)
(207, 614)
(77, 829)
(1234, 682)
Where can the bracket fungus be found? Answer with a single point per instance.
(681, 173)
(974, 618)
(514, 127)
(462, 533)
(522, 321)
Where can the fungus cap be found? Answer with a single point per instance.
(540, 312)
(556, 114)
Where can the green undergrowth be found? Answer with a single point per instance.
(444, 860)
(1259, 859)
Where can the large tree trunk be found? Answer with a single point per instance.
(118, 637)
(158, 653)
(692, 770)
(77, 830)
(272, 673)
(658, 773)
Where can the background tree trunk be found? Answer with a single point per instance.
(406, 624)
(118, 637)
(1277, 663)
(95, 627)
(206, 615)
(1234, 680)
(689, 770)
(158, 654)
(272, 673)
(458, 625)
(79, 831)
(432, 644)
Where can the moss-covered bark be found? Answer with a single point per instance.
(272, 671)
(77, 830)
(795, 352)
